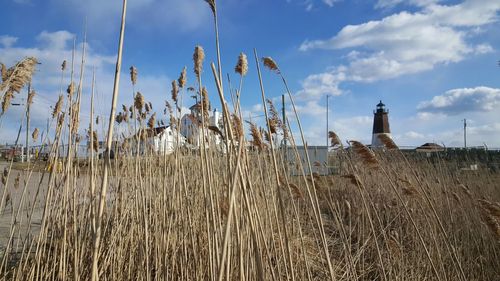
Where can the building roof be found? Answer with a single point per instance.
(430, 147)
(151, 132)
(380, 104)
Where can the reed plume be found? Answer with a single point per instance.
(92, 137)
(133, 75)
(125, 113)
(242, 65)
(267, 137)
(7, 98)
(75, 121)
(173, 121)
(119, 118)
(492, 208)
(334, 139)
(60, 120)
(16, 77)
(175, 91)
(237, 127)
(139, 102)
(491, 223)
(34, 135)
(271, 64)
(58, 106)
(168, 107)
(212, 5)
(182, 78)
(198, 58)
(353, 178)
(274, 120)
(71, 89)
(205, 101)
(256, 137)
(151, 121)
(285, 131)
(365, 154)
(3, 72)
(387, 141)
(31, 95)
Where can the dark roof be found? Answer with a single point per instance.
(151, 132)
(380, 104)
(429, 146)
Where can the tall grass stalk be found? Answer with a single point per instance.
(109, 139)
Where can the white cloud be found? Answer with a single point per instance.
(386, 4)
(7, 41)
(407, 43)
(428, 116)
(477, 135)
(414, 135)
(57, 40)
(311, 4)
(317, 85)
(310, 108)
(457, 101)
(330, 2)
(483, 49)
(354, 128)
(54, 47)
(404, 43)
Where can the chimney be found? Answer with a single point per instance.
(380, 124)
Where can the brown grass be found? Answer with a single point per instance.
(239, 213)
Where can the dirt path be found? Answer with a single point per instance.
(11, 207)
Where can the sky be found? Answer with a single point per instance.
(433, 63)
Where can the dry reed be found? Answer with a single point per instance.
(242, 65)
(198, 58)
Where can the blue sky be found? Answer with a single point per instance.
(432, 62)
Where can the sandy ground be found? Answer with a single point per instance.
(11, 208)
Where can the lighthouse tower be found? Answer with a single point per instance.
(380, 124)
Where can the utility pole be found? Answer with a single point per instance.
(28, 124)
(465, 133)
(327, 127)
(22, 150)
(283, 112)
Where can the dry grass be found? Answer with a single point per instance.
(164, 201)
(237, 213)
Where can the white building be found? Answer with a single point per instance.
(162, 140)
(191, 126)
(318, 155)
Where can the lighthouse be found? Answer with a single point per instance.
(380, 124)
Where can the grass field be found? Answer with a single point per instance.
(235, 213)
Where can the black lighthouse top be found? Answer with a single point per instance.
(381, 108)
(381, 120)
